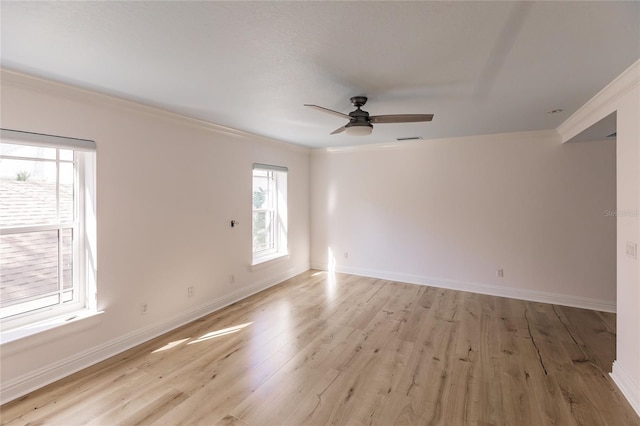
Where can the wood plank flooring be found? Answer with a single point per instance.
(321, 349)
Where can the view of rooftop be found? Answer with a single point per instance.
(30, 261)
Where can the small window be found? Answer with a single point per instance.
(269, 212)
(47, 230)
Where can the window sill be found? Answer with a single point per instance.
(73, 322)
(266, 261)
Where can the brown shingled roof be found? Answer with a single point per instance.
(29, 261)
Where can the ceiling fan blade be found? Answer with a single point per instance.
(400, 118)
(330, 111)
(340, 130)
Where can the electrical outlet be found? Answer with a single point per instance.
(232, 279)
(346, 254)
(632, 250)
(190, 291)
(144, 308)
(500, 273)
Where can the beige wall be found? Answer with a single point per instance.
(450, 212)
(167, 189)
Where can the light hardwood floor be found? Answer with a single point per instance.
(320, 349)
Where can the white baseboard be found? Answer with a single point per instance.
(36, 379)
(481, 288)
(627, 386)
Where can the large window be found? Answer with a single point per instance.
(269, 212)
(47, 227)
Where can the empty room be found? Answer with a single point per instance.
(283, 213)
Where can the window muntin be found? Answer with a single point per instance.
(44, 269)
(269, 215)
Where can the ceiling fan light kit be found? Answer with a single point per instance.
(360, 122)
(358, 129)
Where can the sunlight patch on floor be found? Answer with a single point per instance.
(170, 345)
(219, 333)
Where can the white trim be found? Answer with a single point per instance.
(627, 386)
(260, 166)
(26, 383)
(29, 316)
(16, 340)
(25, 229)
(277, 178)
(266, 261)
(482, 288)
(21, 137)
(601, 105)
(74, 93)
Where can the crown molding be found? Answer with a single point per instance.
(25, 81)
(602, 104)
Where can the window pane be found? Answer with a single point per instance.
(262, 195)
(66, 192)
(40, 216)
(28, 266)
(28, 170)
(263, 238)
(268, 232)
(66, 248)
(27, 151)
(66, 155)
(27, 192)
(260, 172)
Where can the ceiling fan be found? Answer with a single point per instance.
(360, 123)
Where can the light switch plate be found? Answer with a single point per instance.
(632, 250)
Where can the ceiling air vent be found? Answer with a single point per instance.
(412, 138)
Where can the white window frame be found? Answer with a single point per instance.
(83, 227)
(279, 208)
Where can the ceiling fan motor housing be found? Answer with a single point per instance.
(359, 124)
(359, 117)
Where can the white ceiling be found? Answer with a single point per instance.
(480, 67)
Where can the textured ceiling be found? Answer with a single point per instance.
(480, 67)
